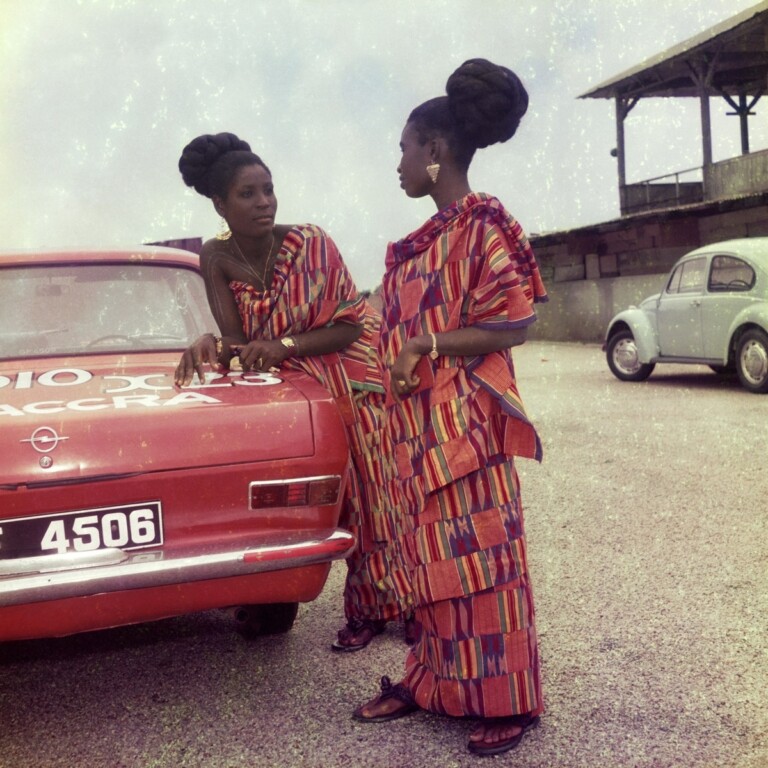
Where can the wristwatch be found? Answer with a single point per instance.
(289, 343)
(433, 352)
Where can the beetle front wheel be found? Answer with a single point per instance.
(623, 358)
(752, 361)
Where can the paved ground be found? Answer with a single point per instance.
(649, 552)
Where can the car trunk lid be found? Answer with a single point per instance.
(112, 415)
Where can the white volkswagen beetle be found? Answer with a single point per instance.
(713, 310)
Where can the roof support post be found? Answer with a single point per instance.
(706, 130)
(624, 106)
(743, 110)
(702, 71)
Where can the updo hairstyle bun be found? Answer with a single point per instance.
(483, 106)
(209, 162)
(486, 102)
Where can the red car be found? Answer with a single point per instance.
(125, 499)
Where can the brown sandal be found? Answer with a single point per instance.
(388, 691)
(523, 722)
(357, 634)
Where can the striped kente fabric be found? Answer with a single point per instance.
(460, 531)
(469, 265)
(477, 654)
(312, 288)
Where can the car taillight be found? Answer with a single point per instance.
(302, 492)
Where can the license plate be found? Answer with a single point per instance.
(129, 526)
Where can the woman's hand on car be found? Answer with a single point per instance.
(262, 354)
(195, 357)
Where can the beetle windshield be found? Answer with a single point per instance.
(56, 309)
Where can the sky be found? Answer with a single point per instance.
(100, 96)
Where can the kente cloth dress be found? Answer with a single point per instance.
(460, 528)
(312, 288)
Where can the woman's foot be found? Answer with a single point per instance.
(393, 702)
(496, 735)
(357, 634)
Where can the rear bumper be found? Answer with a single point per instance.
(78, 574)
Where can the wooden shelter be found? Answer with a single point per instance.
(729, 60)
(593, 271)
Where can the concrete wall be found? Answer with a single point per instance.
(580, 310)
(741, 175)
(727, 225)
(591, 273)
(648, 196)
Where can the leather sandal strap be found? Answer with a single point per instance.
(399, 692)
(357, 626)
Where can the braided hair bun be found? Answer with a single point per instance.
(486, 102)
(201, 154)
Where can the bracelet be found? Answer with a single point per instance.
(433, 354)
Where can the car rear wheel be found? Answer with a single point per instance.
(623, 358)
(752, 361)
(271, 619)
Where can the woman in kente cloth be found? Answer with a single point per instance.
(283, 298)
(458, 293)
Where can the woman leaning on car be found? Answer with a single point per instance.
(283, 298)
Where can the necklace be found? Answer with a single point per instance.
(267, 261)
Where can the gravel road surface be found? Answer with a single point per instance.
(649, 554)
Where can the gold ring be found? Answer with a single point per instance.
(401, 382)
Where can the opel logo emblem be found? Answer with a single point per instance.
(44, 439)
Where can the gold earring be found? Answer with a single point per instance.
(433, 169)
(224, 231)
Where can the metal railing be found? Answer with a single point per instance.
(658, 195)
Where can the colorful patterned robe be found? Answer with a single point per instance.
(461, 532)
(311, 288)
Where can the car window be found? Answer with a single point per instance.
(728, 273)
(84, 308)
(673, 286)
(688, 276)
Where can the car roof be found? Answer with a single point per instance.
(755, 248)
(153, 254)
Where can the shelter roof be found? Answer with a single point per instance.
(738, 47)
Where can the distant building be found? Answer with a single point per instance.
(593, 271)
(193, 244)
